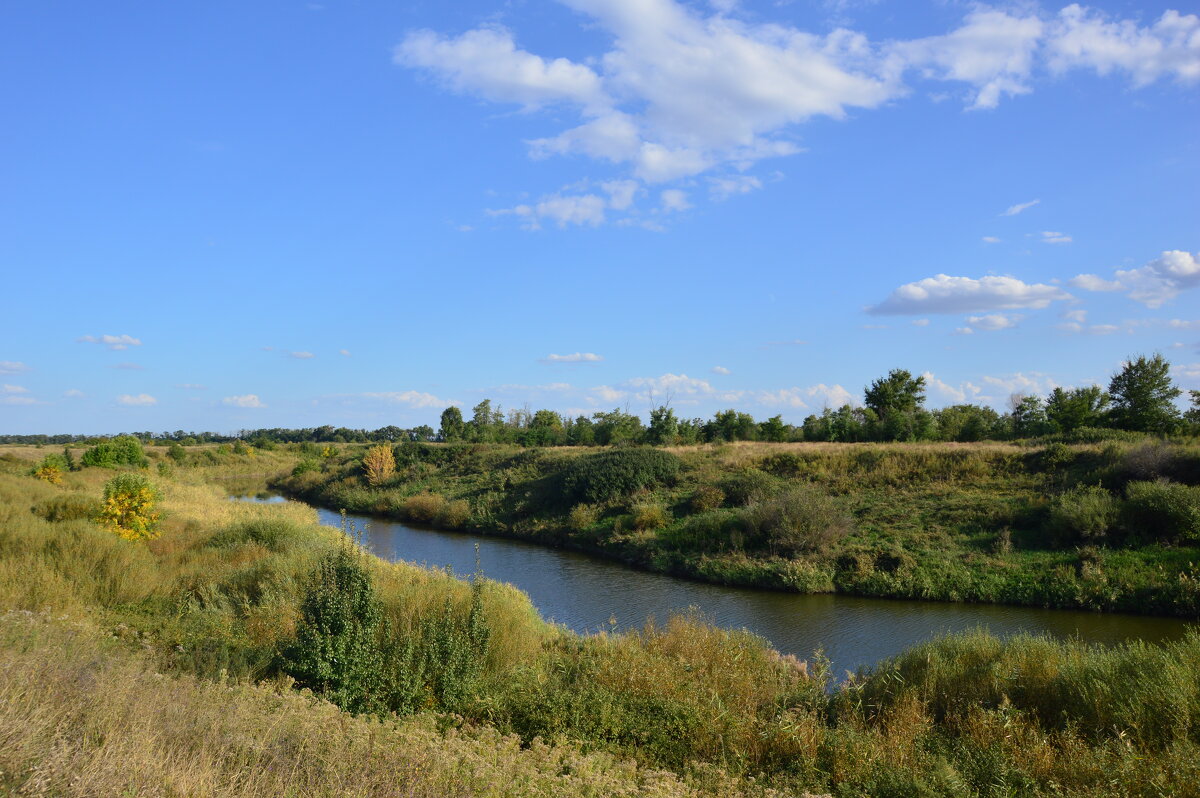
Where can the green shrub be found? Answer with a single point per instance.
(454, 651)
(801, 520)
(130, 507)
(336, 653)
(616, 474)
(707, 498)
(1162, 511)
(748, 486)
(453, 514)
(424, 508)
(276, 534)
(649, 516)
(705, 532)
(1083, 514)
(583, 517)
(305, 466)
(122, 450)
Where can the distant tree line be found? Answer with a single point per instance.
(1139, 398)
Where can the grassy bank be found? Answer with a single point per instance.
(167, 667)
(1112, 526)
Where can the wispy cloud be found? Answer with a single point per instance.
(410, 398)
(10, 389)
(115, 342)
(12, 367)
(1049, 237)
(575, 357)
(301, 355)
(344, 352)
(1013, 210)
(248, 400)
(136, 400)
(191, 386)
(127, 367)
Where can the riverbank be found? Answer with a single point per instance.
(148, 654)
(1051, 526)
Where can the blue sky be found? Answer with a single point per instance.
(224, 215)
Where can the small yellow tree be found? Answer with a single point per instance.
(51, 469)
(130, 507)
(380, 464)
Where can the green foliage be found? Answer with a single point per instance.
(707, 497)
(583, 517)
(305, 466)
(1162, 511)
(67, 507)
(1084, 514)
(454, 651)
(1071, 409)
(122, 450)
(616, 474)
(664, 427)
(649, 516)
(898, 392)
(801, 520)
(452, 426)
(748, 485)
(1143, 396)
(336, 652)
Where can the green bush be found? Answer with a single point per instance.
(1162, 511)
(67, 507)
(616, 474)
(748, 486)
(583, 517)
(801, 520)
(704, 532)
(122, 450)
(707, 498)
(276, 534)
(305, 466)
(1083, 514)
(649, 516)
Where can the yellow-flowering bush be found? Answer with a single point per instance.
(130, 507)
(380, 464)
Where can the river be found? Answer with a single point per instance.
(586, 593)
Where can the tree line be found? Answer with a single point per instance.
(1140, 397)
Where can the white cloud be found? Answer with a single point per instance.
(12, 367)
(945, 294)
(1077, 315)
(1031, 384)
(1049, 237)
(17, 400)
(609, 394)
(1160, 280)
(920, 322)
(1189, 371)
(722, 188)
(114, 342)
(1103, 329)
(944, 390)
(675, 200)
(344, 352)
(301, 355)
(817, 396)
(74, 393)
(963, 331)
(620, 193)
(246, 400)
(575, 357)
(13, 389)
(993, 321)
(1013, 210)
(1086, 38)
(140, 400)
(991, 240)
(1181, 324)
(127, 367)
(191, 386)
(721, 370)
(410, 398)
(671, 383)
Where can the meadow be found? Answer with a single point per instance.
(177, 665)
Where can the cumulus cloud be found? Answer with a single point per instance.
(818, 396)
(722, 188)
(609, 394)
(721, 370)
(410, 398)
(964, 392)
(115, 342)
(245, 400)
(993, 321)
(674, 199)
(680, 90)
(1013, 210)
(575, 357)
(1159, 281)
(138, 400)
(671, 384)
(12, 367)
(945, 294)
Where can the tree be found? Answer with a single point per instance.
(773, 429)
(1078, 407)
(664, 427)
(896, 401)
(452, 425)
(1193, 413)
(1143, 396)
(545, 429)
(130, 507)
(482, 422)
(1028, 416)
(379, 464)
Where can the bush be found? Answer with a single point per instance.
(706, 532)
(129, 507)
(52, 468)
(649, 516)
(618, 473)
(122, 450)
(1162, 511)
(1083, 514)
(424, 508)
(305, 466)
(748, 486)
(707, 498)
(799, 521)
(583, 517)
(379, 464)
(454, 514)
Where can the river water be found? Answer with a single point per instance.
(586, 593)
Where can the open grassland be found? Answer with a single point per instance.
(1110, 526)
(160, 667)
